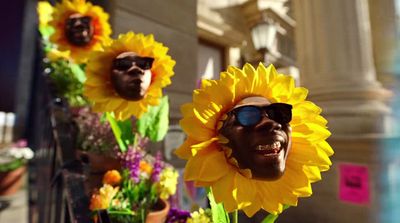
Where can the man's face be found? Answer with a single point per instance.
(260, 144)
(131, 75)
(79, 29)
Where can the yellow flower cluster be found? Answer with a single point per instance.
(103, 199)
(201, 216)
(167, 184)
(44, 10)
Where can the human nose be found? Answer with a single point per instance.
(268, 124)
(135, 71)
(78, 23)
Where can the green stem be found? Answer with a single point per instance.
(135, 140)
(270, 218)
(235, 217)
(121, 212)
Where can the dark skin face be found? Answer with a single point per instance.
(79, 29)
(131, 75)
(262, 148)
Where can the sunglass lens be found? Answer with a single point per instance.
(248, 116)
(281, 113)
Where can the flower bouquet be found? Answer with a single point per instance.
(13, 159)
(139, 192)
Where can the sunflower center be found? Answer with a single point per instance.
(79, 29)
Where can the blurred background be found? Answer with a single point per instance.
(346, 52)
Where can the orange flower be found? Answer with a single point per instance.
(145, 167)
(102, 199)
(96, 202)
(112, 177)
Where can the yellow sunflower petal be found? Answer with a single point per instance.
(253, 208)
(197, 167)
(313, 173)
(267, 193)
(190, 125)
(203, 145)
(184, 151)
(299, 94)
(223, 191)
(244, 191)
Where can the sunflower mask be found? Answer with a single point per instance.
(128, 76)
(80, 28)
(254, 139)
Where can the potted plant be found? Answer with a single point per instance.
(13, 159)
(139, 192)
(96, 144)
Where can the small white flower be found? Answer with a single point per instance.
(27, 153)
(19, 153)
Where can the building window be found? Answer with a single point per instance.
(210, 60)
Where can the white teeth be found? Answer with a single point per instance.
(274, 146)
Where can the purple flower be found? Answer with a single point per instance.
(157, 168)
(94, 135)
(21, 143)
(177, 216)
(131, 160)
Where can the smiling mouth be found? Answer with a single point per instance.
(135, 82)
(269, 149)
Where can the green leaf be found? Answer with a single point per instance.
(271, 217)
(154, 123)
(46, 31)
(218, 212)
(78, 72)
(122, 131)
(10, 166)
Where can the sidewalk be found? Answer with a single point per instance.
(17, 211)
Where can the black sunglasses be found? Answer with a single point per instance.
(84, 20)
(143, 63)
(251, 115)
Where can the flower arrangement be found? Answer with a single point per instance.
(87, 67)
(14, 156)
(143, 184)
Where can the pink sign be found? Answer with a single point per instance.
(354, 183)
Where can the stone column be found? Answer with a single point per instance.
(385, 38)
(334, 54)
